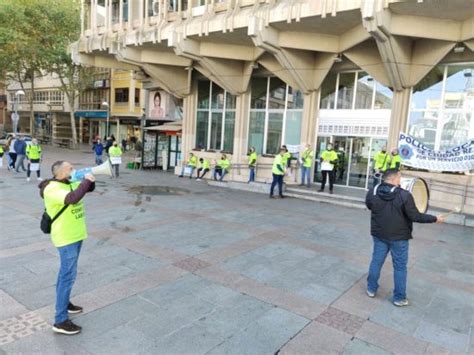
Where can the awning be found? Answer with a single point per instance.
(169, 127)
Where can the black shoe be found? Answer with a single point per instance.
(72, 309)
(320, 190)
(330, 191)
(281, 196)
(271, 196)
(180, 175)
(67, 327)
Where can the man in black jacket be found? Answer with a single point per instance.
(391, 225)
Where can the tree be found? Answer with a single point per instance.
(34, 39)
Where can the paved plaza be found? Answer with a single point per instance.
(174, 266)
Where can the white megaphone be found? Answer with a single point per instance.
(102, 169)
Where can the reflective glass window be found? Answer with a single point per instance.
(345, 92)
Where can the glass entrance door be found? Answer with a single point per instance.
(354, 155)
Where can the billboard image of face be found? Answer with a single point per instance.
(163, 106)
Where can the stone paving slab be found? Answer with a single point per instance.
(218, 271)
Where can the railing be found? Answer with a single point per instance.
(129, 14)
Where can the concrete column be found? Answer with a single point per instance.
(241, 128)
(399, 116)
(309, 126)
(118, 129)
(189, 123)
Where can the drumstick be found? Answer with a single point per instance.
(454, 210)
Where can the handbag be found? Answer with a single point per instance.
(47, 222)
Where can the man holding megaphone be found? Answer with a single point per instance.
(63, 203)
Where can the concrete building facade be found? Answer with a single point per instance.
(265, 72)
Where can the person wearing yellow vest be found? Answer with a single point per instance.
(328, 161)
(1, 156)
(381, 164)
(204, 167)
(278, 171)
(252, 164)
(67, 233)
(306, 162)
(191, 165)
(396, 160)
(115, 155)
(33, 155)
(222, 168)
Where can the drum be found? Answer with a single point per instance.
(419, 189)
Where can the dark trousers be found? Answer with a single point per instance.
(115, 170)
(28, 172)
(204, 172)
(13, 160)
(277, 179)
(325, 174)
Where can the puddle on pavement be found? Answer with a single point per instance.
(158, 190)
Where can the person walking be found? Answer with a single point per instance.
(98, 149)
(67, 234)
(395, 160)
(393, 212)
(204, 167)
(108, 144)
(252, 156)
(115, 154)
(278, 171)
(33, 155)
(190, 165)
(306, 162)
(328, 162)
(20, 149)
(222, 168)
(11, 152)
(381, 163)
(1, 156)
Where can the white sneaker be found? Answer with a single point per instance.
(28, 179)
(370, 294)
(401, 303)
(198, 179)
(39, 179)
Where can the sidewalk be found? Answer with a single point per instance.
(174, 266)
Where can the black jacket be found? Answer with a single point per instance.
(393, 212)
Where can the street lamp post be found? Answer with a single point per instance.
(106, 104)
(15, 116)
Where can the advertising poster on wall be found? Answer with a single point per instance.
(163, 106)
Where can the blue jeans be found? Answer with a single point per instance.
(305, 172)
(252, 174)
(98, 159)
(399, 251)
(69, 255)
(221, 172)
(277, 180)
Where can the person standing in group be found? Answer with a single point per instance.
(98, 149)
(393, 212)
(328, 162)
(306, 162)
(20, 149)
(33, 155)
(278, 171)
(1, 156)
(124, 145)
(63, 198)
(108, 144)
(252, 156)
(115, 154)
(286, 162)
(395, 160)
(204, 167)
(11, 152)
(222, 168)
(381, 164)
(190, 165)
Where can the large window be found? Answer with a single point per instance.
(354, 90)
(276, 111)
(215, 118)
(121, 95)
(442, 107)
